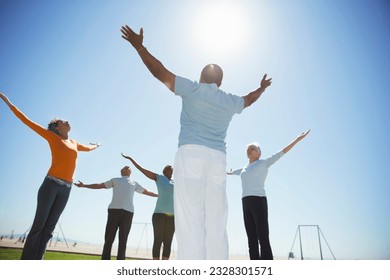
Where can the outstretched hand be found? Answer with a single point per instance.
(5, 98)
(292, 144)
(133, 38)
(265, 83)
(97, 144)
(79, 184)
(303, 135)
(127, 157)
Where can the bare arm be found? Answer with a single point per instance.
(152, 194)
(151, 175)
(5, 99)
(91, 186)
(293, 143)
(252, 97)
(155, 67)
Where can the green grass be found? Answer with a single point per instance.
(14, 254)
(10, 254)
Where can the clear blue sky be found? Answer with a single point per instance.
(330, 65)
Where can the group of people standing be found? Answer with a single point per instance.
(121, 210)
(55, 190)
(194, 206)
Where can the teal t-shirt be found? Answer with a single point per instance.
(206, 113)
(164, 202)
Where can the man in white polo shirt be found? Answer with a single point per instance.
(120, 210)
(200, 164)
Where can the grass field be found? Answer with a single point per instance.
(14, 254)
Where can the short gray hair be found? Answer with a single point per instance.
(254, 144)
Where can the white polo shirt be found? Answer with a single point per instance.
(123, 189)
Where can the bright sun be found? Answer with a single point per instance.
(220, 27)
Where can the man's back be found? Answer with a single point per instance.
(206, 113)
(123, 193)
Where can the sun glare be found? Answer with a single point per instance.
(220, 28)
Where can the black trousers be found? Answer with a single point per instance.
(117, 219)
(52, 199)
(163, 229)
(255, 210)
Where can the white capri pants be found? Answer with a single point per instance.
(200, 203)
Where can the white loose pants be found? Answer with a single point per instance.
(200, 202)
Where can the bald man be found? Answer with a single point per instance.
(120, 210)
(200, 200)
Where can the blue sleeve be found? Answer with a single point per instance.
(237, 172)
(138, 187)
(184, 86)
(237, 103)
(271, 160)
(109, 184)
(159, 179)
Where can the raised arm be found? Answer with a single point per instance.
(252, 97)
(153, 64)
(5, 99)
(34, 126)
(90, 186)
(293, 143)
(151, 175)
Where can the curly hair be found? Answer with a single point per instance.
(52, 126)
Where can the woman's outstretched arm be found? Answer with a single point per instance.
(151, 175)
(34, 126)
(293, 143)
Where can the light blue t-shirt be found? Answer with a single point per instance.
(164, 202)
(253, 175)
(206, 113)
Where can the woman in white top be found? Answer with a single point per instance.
(254, 200)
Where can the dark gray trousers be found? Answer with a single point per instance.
(117, 219)
(52, 199)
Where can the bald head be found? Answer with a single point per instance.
(126, 171)
(211, 73)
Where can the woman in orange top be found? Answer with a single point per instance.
(55, 189)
